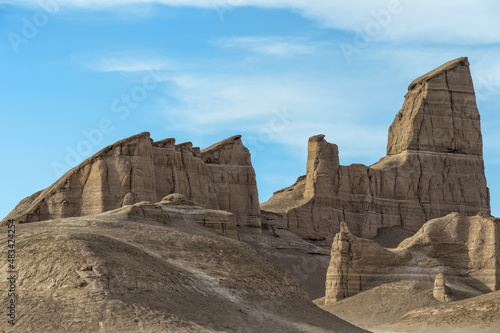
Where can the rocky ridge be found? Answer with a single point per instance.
(137, 169)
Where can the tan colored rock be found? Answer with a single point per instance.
(233, 182)
(433, 167)
(479, 314)
(177, 199)
(465, 249)
(178, 208)
(439, 291)
(439, 114)
(358, 264)
(126, 271)
(137, 169)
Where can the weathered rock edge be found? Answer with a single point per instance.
(465, 250)
(137, 169)
(434, 166)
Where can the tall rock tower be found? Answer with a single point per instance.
(434, 166)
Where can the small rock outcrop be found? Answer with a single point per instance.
(439, 291)
(464, 249)
(177, 208)
(136, 169)
(434, 166)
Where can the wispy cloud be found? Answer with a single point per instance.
(278, 46)
(124, 62)
(255, 104)
(127, 65)
(448, 21)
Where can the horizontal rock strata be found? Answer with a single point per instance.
(434, 166)
(177, 208)
(464, 249)
(137, 169)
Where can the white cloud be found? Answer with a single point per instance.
(127, 64)
(278, 110)
(277, 46)
(122, 65)
(446, 21)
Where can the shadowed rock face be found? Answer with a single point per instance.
(137, 169)
(464, 249)
(433, 167)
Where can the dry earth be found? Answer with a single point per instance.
(408, 306)
(478, 315)
(116, 272)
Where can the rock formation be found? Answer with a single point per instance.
(176, 207)
(439, 292)
(137, 169)
(128, 270)
(434, 166)
(465, 249)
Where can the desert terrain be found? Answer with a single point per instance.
(154, 236)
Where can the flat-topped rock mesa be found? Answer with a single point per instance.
(465, 250)
(434, 166)
(136, 169)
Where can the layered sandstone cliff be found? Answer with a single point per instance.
(434, 166)
(137, 169)
(461, 255)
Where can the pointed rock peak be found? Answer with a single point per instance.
(439, 114)
(225, 142)
(165, 143)
(463, 61)
(344, 228)
(230, 150)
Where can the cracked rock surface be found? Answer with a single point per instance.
(434, 166)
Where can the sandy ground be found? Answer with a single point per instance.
(304, 261)
(475, 315)
(409, 306)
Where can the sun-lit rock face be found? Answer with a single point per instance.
(137, 169)
(434, 166)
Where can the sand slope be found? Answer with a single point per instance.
(115, 272)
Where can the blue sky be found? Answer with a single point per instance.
(76, 76)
